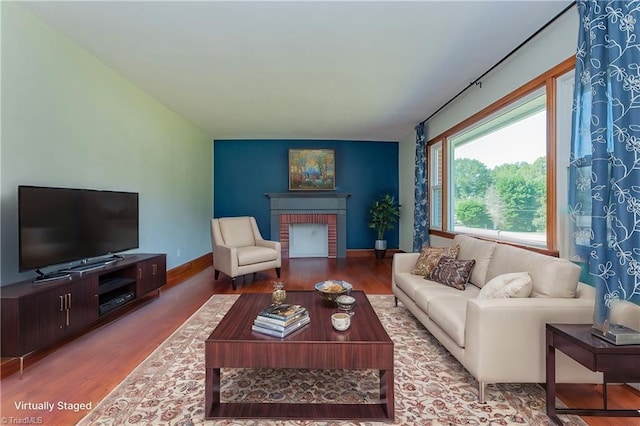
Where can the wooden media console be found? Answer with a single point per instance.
(35, 315)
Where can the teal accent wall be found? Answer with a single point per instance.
(70, 121)
(245, 170)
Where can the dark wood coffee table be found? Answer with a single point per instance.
(365, 345)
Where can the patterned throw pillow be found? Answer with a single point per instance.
(517, 284)
(430, 256)
(452, 272)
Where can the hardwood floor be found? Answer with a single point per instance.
(87, 368)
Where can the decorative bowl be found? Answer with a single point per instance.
(331, 289)
(345, 302)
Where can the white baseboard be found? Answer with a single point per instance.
(634, 385)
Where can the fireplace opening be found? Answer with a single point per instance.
(289, 221)
(308, 240)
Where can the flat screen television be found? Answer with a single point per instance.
(58, 225)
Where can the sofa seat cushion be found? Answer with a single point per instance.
(430, 290)
(551, 276)
(450, 314)
(254, 254)
(409, 283)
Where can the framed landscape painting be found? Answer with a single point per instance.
(312, 169)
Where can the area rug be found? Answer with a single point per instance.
(431, 387)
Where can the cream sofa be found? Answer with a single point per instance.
(500, 340)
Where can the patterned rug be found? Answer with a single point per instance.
(431, 387)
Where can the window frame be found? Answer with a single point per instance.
(547, 81)
(436, 177)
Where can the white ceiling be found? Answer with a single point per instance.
(365, 70)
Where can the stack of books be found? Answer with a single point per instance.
(281, 320)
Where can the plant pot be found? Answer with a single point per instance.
(380, 254)
(380, 248)
(380, 245)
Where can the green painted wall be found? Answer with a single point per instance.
(70, 121)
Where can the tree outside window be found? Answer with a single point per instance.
(498, 178)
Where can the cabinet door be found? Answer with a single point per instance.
(152, 274)
(144, 283)
(43, 318)
(160, 272)
(83, 303)
(50, 315)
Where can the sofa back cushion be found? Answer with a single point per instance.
(550, 276)
(479, 250)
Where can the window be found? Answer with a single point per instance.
(496, 173)
(435, 186)
(498, 182)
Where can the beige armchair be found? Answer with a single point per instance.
(238, 248)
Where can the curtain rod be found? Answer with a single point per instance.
(477, 80)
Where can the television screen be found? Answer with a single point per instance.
(58, 225)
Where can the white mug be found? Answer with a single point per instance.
(341, 321)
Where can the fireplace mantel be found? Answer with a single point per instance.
(311, 202)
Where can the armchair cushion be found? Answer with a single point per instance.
(237, 232)
(254, 254)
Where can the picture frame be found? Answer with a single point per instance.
(312, 169)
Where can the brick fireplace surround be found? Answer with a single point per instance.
(310, 207)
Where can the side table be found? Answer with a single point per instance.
(619, 364)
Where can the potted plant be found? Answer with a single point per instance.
(384, 215)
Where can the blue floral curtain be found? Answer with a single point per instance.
(604, 190)
(420, 216)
